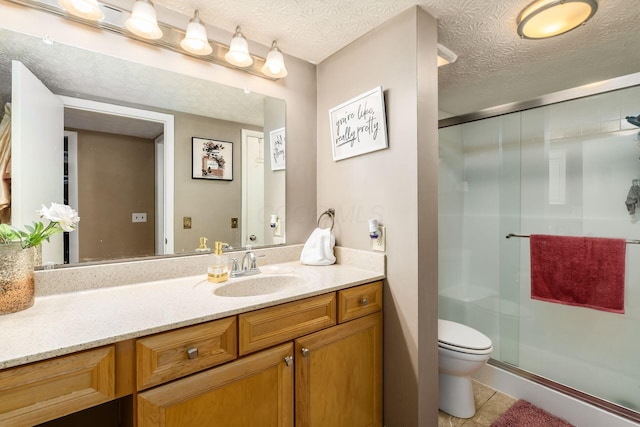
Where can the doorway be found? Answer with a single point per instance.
(253, 217)
(110, 116)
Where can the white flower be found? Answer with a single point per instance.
(61, 218)
(64, 215)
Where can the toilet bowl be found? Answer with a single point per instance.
(461, 351)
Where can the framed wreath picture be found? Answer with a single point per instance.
(211, 159)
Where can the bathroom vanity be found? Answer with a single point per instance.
(306, 354)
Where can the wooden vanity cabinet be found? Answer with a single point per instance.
(335, 370)
(256, 390)
(313, 362)
(42, 391)
(339, 370)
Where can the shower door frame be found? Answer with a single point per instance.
(618, 83)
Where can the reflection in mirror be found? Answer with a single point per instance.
(135, 192)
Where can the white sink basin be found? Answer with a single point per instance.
(258, 285)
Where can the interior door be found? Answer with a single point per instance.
(37, 135)
(253, 216)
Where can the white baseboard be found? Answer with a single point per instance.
(577, 412)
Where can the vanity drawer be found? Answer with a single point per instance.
(359, 301)
(42, 391)
(174, 354)
(274, 325)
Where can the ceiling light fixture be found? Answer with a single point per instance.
(195, 40)
(549, 18)
(274, 65)
(143, 21)
(165, 36)
(85, 9)
(238, 54)
(445, 56)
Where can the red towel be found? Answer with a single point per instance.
(580, 271)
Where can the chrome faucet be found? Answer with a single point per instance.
(248, 267)
(249, 264)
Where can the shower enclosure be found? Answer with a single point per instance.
(561, 169)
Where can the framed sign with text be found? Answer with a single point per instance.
(278, 149)
(359, 125)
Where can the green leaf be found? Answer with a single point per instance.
(7, 234)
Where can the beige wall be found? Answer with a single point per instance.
(397, 186)
(210, 204)
(116, 178)
(298, 89)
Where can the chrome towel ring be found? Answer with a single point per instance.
(331, 213)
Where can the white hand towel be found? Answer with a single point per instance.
(318, 249)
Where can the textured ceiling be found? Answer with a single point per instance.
(308, 29)
(494, 67)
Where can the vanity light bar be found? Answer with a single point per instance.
(115, 18)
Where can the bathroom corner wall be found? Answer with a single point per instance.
(397, 186)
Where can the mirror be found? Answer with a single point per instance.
(238, 211)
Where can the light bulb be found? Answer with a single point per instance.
(143, 22)
(274, 65)
(195, 40)
(86, 9)
(238, 54)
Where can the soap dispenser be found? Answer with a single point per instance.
(203, 245)
(219, 270)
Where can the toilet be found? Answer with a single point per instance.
(461, 352)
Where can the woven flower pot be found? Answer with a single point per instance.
(16, 277)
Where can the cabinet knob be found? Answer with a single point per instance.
(192, 353)
(364, 302)
(305, 352)
(288, 360)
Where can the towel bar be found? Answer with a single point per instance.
(526, 236)
(331, 213)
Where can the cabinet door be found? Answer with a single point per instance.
(256, 390)
(339, 375)
(42, 391)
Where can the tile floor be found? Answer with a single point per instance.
(490, 404)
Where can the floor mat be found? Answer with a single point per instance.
(525, 414)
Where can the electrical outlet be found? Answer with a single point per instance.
(380, 244)
(139, 217)
(278, 231)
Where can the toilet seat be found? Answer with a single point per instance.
(461, 338)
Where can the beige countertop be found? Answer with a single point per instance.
(64, 323)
